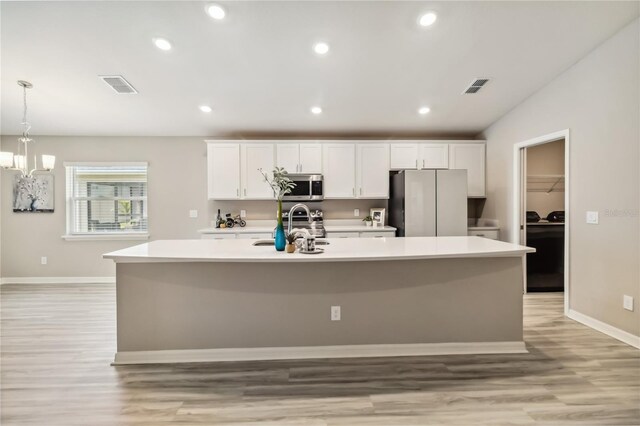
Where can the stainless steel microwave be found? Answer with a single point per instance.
(308, 187)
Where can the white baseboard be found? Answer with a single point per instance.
(307, 352)
(605, 328)
(57, 280)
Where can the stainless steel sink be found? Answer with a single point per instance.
(261, 243)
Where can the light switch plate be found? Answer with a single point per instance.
(193, 213)
(592, 218)
(43, 260)
(356, 212)
(335, 313)
(243, 213)
(627, 302)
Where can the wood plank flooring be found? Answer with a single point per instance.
(58, 341)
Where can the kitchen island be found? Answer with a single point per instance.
(224, 300)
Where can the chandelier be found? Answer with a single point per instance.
(20, 161)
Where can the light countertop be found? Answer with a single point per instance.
(338, 250)
(267, 226)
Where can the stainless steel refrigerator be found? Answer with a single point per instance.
(428, 203)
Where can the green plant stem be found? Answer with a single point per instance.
(279, 212)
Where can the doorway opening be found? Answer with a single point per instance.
(541, 211)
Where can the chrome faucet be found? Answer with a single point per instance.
(294, 208)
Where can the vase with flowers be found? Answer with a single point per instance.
(281, 185)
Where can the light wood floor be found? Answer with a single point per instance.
(58, 341)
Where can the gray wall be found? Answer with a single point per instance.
(177, 184)
(598, 100)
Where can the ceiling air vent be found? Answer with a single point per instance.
(119, 84)
(476, 85)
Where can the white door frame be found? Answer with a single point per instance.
(516, 213)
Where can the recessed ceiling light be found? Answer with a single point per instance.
(321, 48)
(428, 19)
(205, 108)
(216, 11)
(316, 110)
(162, 44)
(424, 110)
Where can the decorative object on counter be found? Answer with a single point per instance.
(291, 242)
(218, 219)
(20, 161)
(281, 185)
(233, 221)
(378, 216)
(309, 244)
(33, 194)
(368, 220)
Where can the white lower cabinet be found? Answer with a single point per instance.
(381, 234)
(343, 235)
(217, 236)
(492, 234)
(257, 236)
(365, 234)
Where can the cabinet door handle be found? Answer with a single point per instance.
(300, 168)
(416, 163)
(353, 191)
(237, 192)
(423, 164)
(360, 190)
(245, 192)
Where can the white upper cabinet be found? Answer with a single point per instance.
(418, 155)
(434, 156)
(470, 156)
(403, 156)
(372, 170)
(338, 165)
(299, 158)
(256, 156)
(288, 157)
(223, 161)
(310, 158)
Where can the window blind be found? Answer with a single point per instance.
(103, 198)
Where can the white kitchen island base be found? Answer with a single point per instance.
(189, 310)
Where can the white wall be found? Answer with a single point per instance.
(598, 100)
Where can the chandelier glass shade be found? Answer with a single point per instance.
(20, 161)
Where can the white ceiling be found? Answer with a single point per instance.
(258, 71)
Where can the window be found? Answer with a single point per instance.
(106, 199)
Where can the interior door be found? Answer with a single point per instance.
(523, 212)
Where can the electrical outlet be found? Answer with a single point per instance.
(627, 302)
(43, 260)
(356, 212)
(243, 213)
(592, 218)
(193, 213)
(335, 313)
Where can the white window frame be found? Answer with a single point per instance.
(93, 236)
